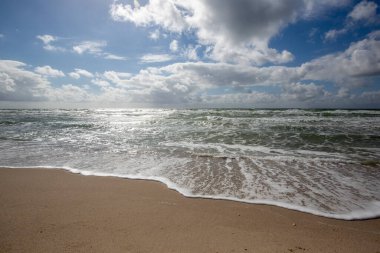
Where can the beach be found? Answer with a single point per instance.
(46, 210)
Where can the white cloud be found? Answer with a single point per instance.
(291, 96)
(173, 46)
(47, 40)
(155, 35)
(375, 35)
(208, 75)
(191, 83)
(149, 58)
(90, 47)
(77, 73)
(250, 99)
(18, 84)
(239, 35)
(162, 12)
(96, 48)
(84, 47)
(114, 57)
(232, 31)
(101, 83)
(70, 93)
(2, 35)
(191, 52)
(313, 32)
(343, 93)
(74, 75)
(370, 97)
(360, 59)
(7, 84)
(118, 78)
(187, 83)
(364, 11)
(333, 33)
(315, 8)
(136, 3)
(84, 73)
(184, 83)
(49, 71)
(303, 92)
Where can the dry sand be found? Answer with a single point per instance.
(56, 211)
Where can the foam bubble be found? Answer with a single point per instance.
(307, 160)
(372, 209)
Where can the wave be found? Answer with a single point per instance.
(298, 159)
(371, 211)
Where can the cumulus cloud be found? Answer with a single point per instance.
(303, 92)
(334, 33)
(161, 12)
(74, 75)
(150, 58)
(19, 84)
(371, 97)
(118, 78)
(362, 13)
(69, 93)
(78, 73)
(315, 8)
(155, 35)
(49, 71)
(90, 47)
(251, 99)
(191, 52)
(47, 41)
(101, 83)
(185, 83)
(232, 31)
(235, 31)
(96, 48)
(359, 60)
(375, 35)
(174, 46)
(193, 83)
(7, 84)
(343, 93)
(189, 82)
(114, 57)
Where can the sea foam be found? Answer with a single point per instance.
(314, 161)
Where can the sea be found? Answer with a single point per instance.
(324, 162)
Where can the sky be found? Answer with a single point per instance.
(190, 54)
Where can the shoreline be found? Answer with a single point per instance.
(353, 216)
(54, 210)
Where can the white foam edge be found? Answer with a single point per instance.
(373, 210)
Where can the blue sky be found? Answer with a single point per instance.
(200, 53)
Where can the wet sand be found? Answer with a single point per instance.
(57, 211)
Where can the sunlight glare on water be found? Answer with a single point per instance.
(324, 162)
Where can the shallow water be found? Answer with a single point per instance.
(317, 161)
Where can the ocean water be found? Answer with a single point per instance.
(324, 162)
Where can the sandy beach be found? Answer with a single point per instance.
(57, 211)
